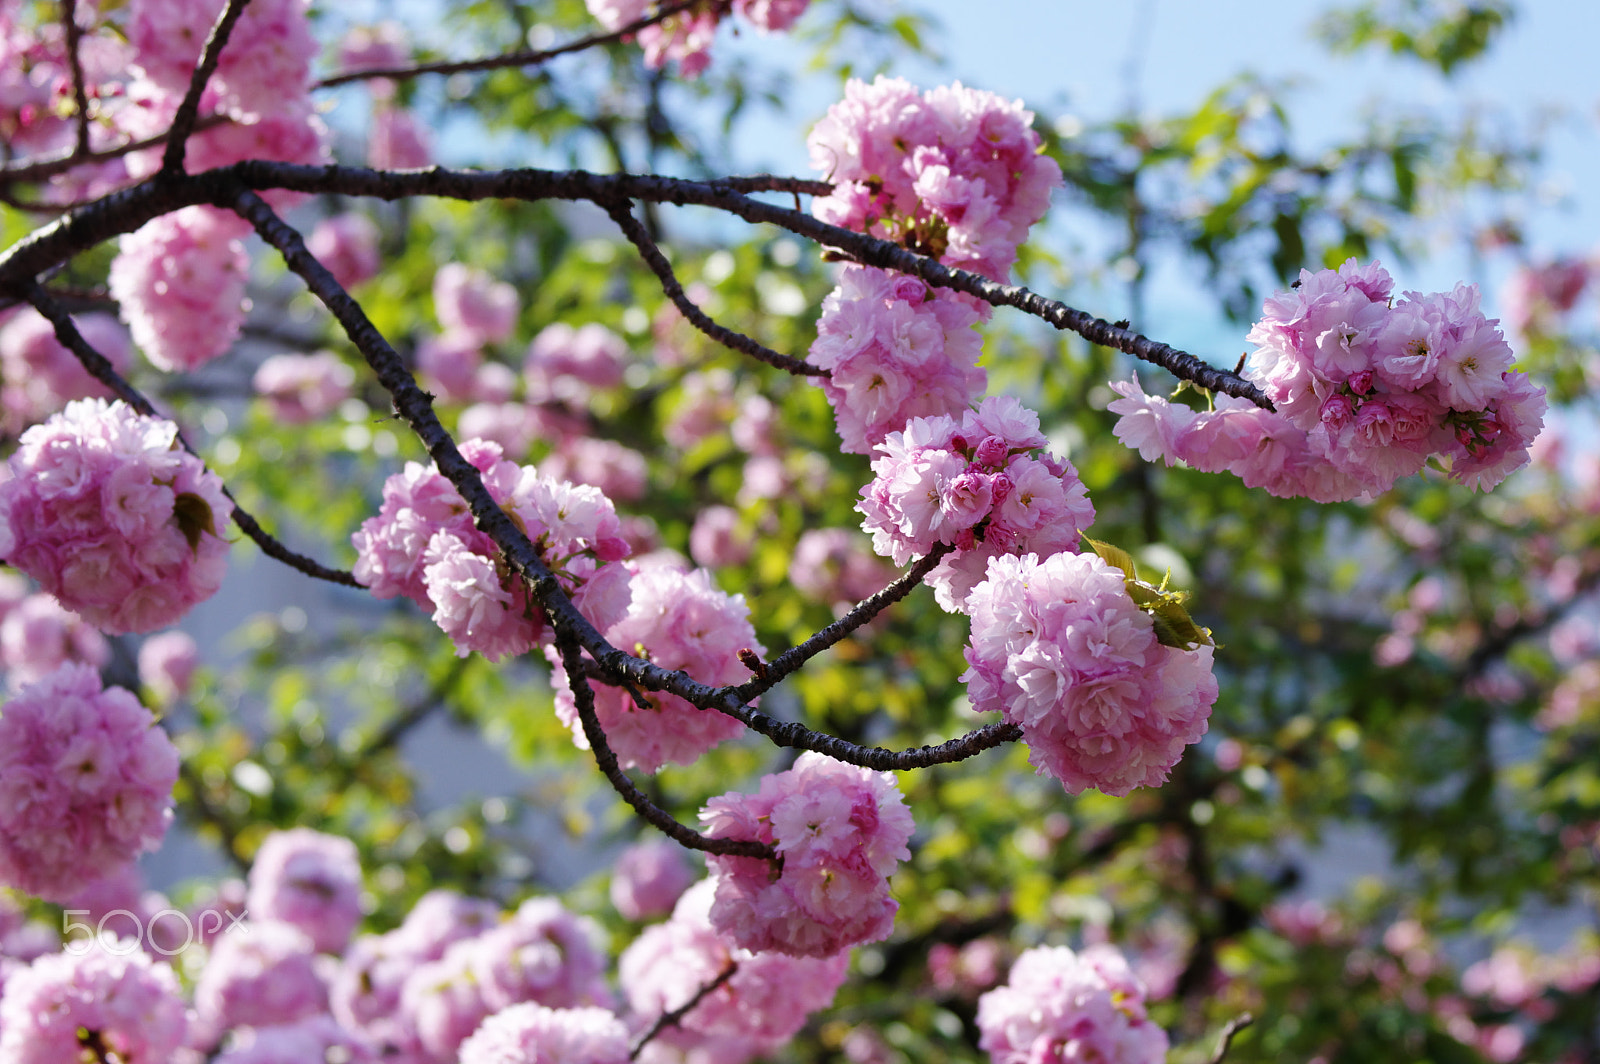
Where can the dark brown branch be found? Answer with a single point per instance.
(189, 110)
(510, 59)
(790, 660)
(101, 369)
(416, 407)
(622, 213)
(774, 183)
(606, 759)
(61, 162)
(80, 97)
(125, 211)
(674, 1017)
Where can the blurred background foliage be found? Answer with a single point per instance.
(1401, 771)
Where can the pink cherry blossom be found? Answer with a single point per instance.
(423, 544)
(86, 782)
(681, 621)
(311, 881)
(347, 244)
(302, 388)
(1366, 391)
(38, 634)
(469, 302)
(953, 172)
(841, 831)
(1061, 1005)
(529, 1033)
(755, 1012)
(1059, 647)
(895, 350)
(648, 879)
(180, 282)
(111, 519)
(131, 1003)
(974, 485)
(41, 376)
(260, 976)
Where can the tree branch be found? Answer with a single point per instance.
(80, 97)
(189, 110)
(126, 210)
(416, 407)
(1225, 1039)
(791, 660)
(621, 212)
(675, 1016)
(606, 759)
(99, 367)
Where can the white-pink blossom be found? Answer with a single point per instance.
(469, 302)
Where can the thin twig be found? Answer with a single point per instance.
(606, 759)
(774, 183)
(80, 97)
(1225, 1039)
(510, 59)
(50, 165)
(791, 660)
(674, 1017)
(189, 110)
(99, 367)
(621, 212)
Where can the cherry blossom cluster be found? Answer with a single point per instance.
(840, 831)
(895, 349)
(38, 375)
(423, 545)
(180, 281)
(1067, 1006)
(420, 991)
(302, 388)
(677, 620)
(65, 1004)
(1060, 648)
(530, 1033)
(37, 634)
(953, 172)
(311, 881)
(112, 519)
(687, 36)
(977, 485)
(753, 1013)
(1367, 390)
(86, 782)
